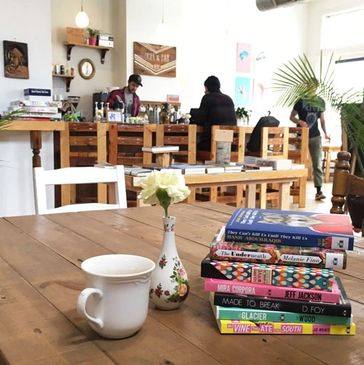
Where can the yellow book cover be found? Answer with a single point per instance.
(227, 326)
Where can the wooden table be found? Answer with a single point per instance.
(283, 178)
(41, 279)
(35, 127)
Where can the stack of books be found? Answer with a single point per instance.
(37, 104)
(271, 272)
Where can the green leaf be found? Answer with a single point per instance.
(164, 200)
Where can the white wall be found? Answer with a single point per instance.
(105, 15)
(206, 33)
(317, 10)
(25, 21)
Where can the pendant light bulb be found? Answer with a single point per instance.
(82, 20)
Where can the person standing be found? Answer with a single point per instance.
(309, 112)
(216, 109)
(128, 96)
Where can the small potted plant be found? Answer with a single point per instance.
(242, 115)
(92, 35)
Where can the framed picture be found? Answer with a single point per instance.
(242, 91)
(113, 117)
(244, 58)
(154, 59)
(16, 60)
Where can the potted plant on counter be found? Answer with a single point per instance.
(242, 116)
(92, 36)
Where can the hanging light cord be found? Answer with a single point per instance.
(163, 13)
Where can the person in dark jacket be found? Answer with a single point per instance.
(128, 96)
(216, 109)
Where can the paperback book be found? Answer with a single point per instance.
(276, 254)
(277, 275)
(271, 291)
(342, 309)
(262, 315)
(279, 227)
(227, 326)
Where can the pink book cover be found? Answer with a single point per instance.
(271, 291)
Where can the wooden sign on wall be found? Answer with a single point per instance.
(154, 59)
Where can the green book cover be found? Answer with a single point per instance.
(257, 315)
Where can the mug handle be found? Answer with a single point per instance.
(82, 302)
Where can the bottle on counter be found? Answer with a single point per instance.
(97, 115)
(151, 114)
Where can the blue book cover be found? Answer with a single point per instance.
(280, 227)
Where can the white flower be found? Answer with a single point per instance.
(170, 181)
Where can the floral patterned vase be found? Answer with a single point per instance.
(169, 287)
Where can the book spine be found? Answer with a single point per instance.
(37, 98)
(321, 241)
(281, 255)
(39, 109)
(37, 92)
(277, 275)
(326, 309)
(256, 315)
(270, 291)
(246, 327)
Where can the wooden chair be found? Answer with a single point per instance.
(299, 154)
(181, 135)
(83, 144)
(230, 194)
(345, 187)
(78, 175)
(274, 144)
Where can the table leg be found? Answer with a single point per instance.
(251, 190)
(36, 146)
(327, 166)
(213, 194)
(263, 196)
(239, 195)
(302, 192)
(284, 196)
(192, 197)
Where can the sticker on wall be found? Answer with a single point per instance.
(154, 59)
(243, 57)
(242, 91)
(16, 60)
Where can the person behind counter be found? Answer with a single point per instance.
(216, 109)
(128, 96)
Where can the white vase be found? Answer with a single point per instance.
(169, 286)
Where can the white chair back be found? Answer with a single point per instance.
(78, 175)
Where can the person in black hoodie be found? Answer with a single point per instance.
(216, 109)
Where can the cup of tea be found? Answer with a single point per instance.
(115, 301)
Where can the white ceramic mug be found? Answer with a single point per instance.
(115, 301)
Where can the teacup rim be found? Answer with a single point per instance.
(141, 273)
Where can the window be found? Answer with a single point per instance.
(343, 30)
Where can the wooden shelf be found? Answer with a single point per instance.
(102, 49)
(67, 78)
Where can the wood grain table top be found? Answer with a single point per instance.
(40, 280)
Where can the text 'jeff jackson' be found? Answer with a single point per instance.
(290, 294)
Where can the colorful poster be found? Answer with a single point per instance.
(244, 57)
(242, 91)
